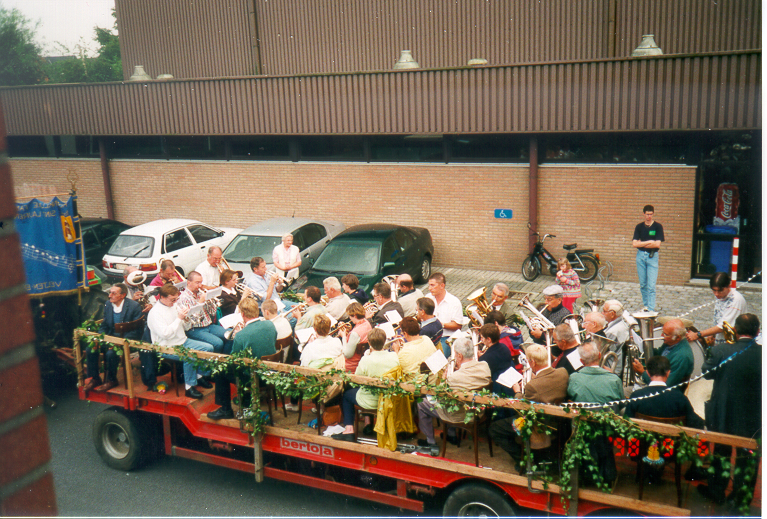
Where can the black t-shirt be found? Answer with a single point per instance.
(653, 232)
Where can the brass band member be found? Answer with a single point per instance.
(166, 324)
(416, 349)
(554, 311)
(337, 300)
(201, 326)
(355, 342)
(431, 327)
(382, 297)
(323, 347)
(313, 308)
(351, 285)
(269, 308)
(408, 294)
(209, 269)
(167, 274)
(229, 296)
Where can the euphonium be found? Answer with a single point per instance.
(371, 306)
(478, 298)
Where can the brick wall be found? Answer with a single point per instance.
(454, 201)
(599, 206)
(26, 482)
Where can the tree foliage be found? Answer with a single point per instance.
(20, 61)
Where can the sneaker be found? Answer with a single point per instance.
(291, 407)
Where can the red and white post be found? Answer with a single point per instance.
(734, 274)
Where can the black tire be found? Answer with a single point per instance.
(477, 500)
(120, 439)
(425, 272)
(590, 270)
(531, 268)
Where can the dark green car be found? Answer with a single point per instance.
(372, 251)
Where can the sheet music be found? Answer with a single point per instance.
(456, 334)
(574, 327)
(181, 285)
(575, 359)
(637, 339)
(509, 377)
(195, 310)
(304, 335)
(231, 320)
(436, 361)
(393, 316)
(333, 320)
(388, 328)
(213, 293)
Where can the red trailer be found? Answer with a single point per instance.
(142, 423)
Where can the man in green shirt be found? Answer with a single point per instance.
(678, 351)
(592, 383)
(257, 338)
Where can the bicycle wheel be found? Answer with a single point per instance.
(589, 270)
(531, 268)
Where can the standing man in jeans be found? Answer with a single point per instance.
(647, 238)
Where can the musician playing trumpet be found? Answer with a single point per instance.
(554, 311)
(313, 308)
(264, 284)
(382, 298)
(322, 348)
(230, 297)
(209, 269)
(415, 349)
(355, 341)
(497, 355)
(167, 274)
(201, 326)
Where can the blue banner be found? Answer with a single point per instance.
(50, 246)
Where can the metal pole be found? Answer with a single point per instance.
(107, 180)
(532, 207)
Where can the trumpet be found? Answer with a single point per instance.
(371, 307)
(340, 326)
(301, 308)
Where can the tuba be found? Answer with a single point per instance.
(538, 320)
(480, 307)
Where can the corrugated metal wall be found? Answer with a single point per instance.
(219, 38)
(717, 91)
(186, 38)
(306, 36)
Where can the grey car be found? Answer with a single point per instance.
(310, 236)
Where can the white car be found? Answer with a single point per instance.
(184, 241)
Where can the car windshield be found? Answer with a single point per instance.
(358, 257)
(244, 248)
(132, 246)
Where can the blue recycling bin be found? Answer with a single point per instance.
(720, 251)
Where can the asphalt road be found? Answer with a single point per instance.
(86, 486)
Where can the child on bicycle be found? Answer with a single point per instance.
(570, 282)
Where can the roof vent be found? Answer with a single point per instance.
(139, 74)
(473, 62)
(406, 61)
(165, 76)
(647, 47)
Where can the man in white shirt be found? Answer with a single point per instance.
(729, 305)
(287, 258)
(282, 325)
(337, 300)
(408, 294)
(209, 270)
(200, 326)
(166, 324)
(447, 308)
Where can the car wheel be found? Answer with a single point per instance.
(477, 500)
(120, 438)
(425, 272)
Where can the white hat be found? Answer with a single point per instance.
(553, 290)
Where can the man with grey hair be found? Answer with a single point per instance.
(592, 383)
(564, 344)
(287, 258)
(617, 330)
(554, 311)
(337, 300)
(208, 269)
(469, 375)
(408, 294)
(678, 351)
(501, 303)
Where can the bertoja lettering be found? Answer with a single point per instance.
(309, 448)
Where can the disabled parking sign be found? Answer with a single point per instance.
(503, 213)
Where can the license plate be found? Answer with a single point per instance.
(121, 266)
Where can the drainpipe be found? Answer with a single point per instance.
(532, 197)
(107, 180)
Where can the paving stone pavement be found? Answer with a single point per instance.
(672, 300)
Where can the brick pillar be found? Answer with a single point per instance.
(26, 482)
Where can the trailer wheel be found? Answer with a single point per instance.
(477, 500)
(119, 438)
